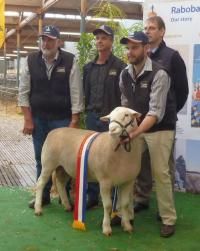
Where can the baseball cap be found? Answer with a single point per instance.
(50, 31)
(137, 37)
(104, 28)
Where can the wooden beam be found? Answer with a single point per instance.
(27, 20)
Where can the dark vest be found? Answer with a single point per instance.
(175, 66)
(138, 96)
(110, 81)
(50, 98)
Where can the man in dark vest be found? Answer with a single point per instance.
(50, 94)
(102, 93)
(146, 88)
(175, 66)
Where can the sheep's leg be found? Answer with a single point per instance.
(105, 190)
(126, 191)
(43, 179)
(61, 178)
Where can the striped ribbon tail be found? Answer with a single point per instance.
(81, 182)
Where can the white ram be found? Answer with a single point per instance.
(105, 165)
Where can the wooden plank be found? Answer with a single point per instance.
(5, 176)
(13, 176)
(17, 164)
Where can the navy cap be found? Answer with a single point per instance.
(137, 37)
(50, 31)
(104, 28)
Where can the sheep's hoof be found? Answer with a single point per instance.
(128, 229)
(69, 208)
(107, 232)
(38, 212)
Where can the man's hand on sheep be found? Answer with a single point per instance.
(146, 124)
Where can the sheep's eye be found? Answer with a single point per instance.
(125, 116)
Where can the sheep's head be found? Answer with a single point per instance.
(121, 120)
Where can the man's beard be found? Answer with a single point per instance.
(138, 60)
(48, 53)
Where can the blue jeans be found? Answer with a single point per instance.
(41, 129)
(94, 123)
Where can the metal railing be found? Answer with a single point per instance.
(8, 88)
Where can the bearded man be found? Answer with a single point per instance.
(50, 94)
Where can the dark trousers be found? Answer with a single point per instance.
(94, 123)
(41, 129)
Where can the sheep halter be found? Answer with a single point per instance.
(81, 181)
(124, 135)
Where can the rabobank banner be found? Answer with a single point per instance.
(182, 19)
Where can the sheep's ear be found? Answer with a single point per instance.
(135, 114)
(105, 118)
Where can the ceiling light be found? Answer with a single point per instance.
(134, 1)
(11, 55)
(2, 58)
(22, 52)
(11, 13)
(70, 33)
(31, 47)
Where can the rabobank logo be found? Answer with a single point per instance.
(185, 9)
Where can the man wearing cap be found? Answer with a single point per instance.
(50, 94)
(172, 61)
(102, 93)
(146, 88)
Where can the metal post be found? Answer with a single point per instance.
(18, 55)
(40, 22)
(83, 15)
(5, 63)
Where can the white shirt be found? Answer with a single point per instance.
(75, 84)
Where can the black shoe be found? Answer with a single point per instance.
(140, 207)
(116, 221)
(91, 204)
(45, 201)
(158, 217)
(167, 230)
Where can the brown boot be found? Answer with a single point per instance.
(167, 230)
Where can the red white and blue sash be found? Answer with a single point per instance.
(81, 181)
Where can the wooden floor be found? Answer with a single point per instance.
(17, 166)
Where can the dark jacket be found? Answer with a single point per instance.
(138, 97)
(175, 66)
(50, 98)
(111, 93)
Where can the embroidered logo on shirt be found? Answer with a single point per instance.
(144, 84)
(60, 69)
(112, 72)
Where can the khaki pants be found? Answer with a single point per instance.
(144, 182)
(160, 146)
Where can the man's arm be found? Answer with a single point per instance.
(76, 93)
(157, 104)
(23, 99)
(124, 100)
(28, 122)
(146, 124)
